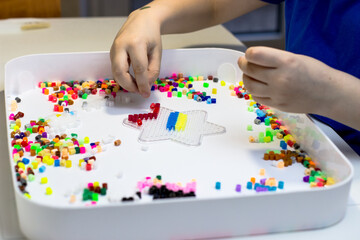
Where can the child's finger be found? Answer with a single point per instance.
(154, 64)
(267, 57)
(263, 100)
(120, 70)
(255, 71)
(255, 87)
(139, 62)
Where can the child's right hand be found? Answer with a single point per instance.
(138, 43)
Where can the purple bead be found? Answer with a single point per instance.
(238, 188)
(262, 181)
(44, 134)
(306, 178)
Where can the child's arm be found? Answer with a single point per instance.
(138, 42)
(297, 83)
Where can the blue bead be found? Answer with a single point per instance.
(57, 163)
(218, 185)
(281, 185)
(25, 161)
(213, 100)
(249, 185)
(152, 88)
(42, 169)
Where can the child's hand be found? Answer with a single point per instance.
(138, 43)
(287, 81)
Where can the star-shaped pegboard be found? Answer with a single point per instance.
(196, 127)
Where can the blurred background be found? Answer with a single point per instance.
(262, 27)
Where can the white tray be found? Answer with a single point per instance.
(228, 158)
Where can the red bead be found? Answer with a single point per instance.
(130, 118)
(94, 91)
(152, 106)
(88, 167)
(246, 97)
(139, 122)
(290, 143)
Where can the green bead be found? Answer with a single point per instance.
(181, 85)
(179, 94)
(277, 151)
(158, 177)
(74, 135)
(311, 179)
(81, 141)
(261, 139)
(66, 97)
(204, 94)
(267, 121)
(17, 146)
(84, 96)
(312, 173)
(261, 134)
(191, 78)
(31, 177)
(249, 127)
(306, 163)
(63, 88)
(95, 197)
(267, 139)
(29, 129)
(251, 109)
(103, 191)
(77, 150)
(205, 84)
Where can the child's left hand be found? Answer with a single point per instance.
(287, 81)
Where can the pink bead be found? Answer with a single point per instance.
(140, 185)
(27, 148)
(11, 117)
(169, 94)
(14, 150)
(90, 184)
(82, 150)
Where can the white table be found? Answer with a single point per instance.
(96, 34)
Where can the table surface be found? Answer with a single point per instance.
(97, 34)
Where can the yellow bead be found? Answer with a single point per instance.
(80, 161)
(48, 191)
(214, 91)
(43, 180)
(86, 140)
(262, 172)
(222, 83)
(27, 195)
(96, 184)
(241, 83)
(21, 165)
(330, 181)
(200, 78)
(35, 165)
(231, 87)
(68, 164)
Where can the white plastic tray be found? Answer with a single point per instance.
(228, 158)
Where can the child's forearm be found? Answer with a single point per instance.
(180, 16)
(344, 106)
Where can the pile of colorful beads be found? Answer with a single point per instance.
(178, 86)
(65, 93)
(93, 191)
(168, 190)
